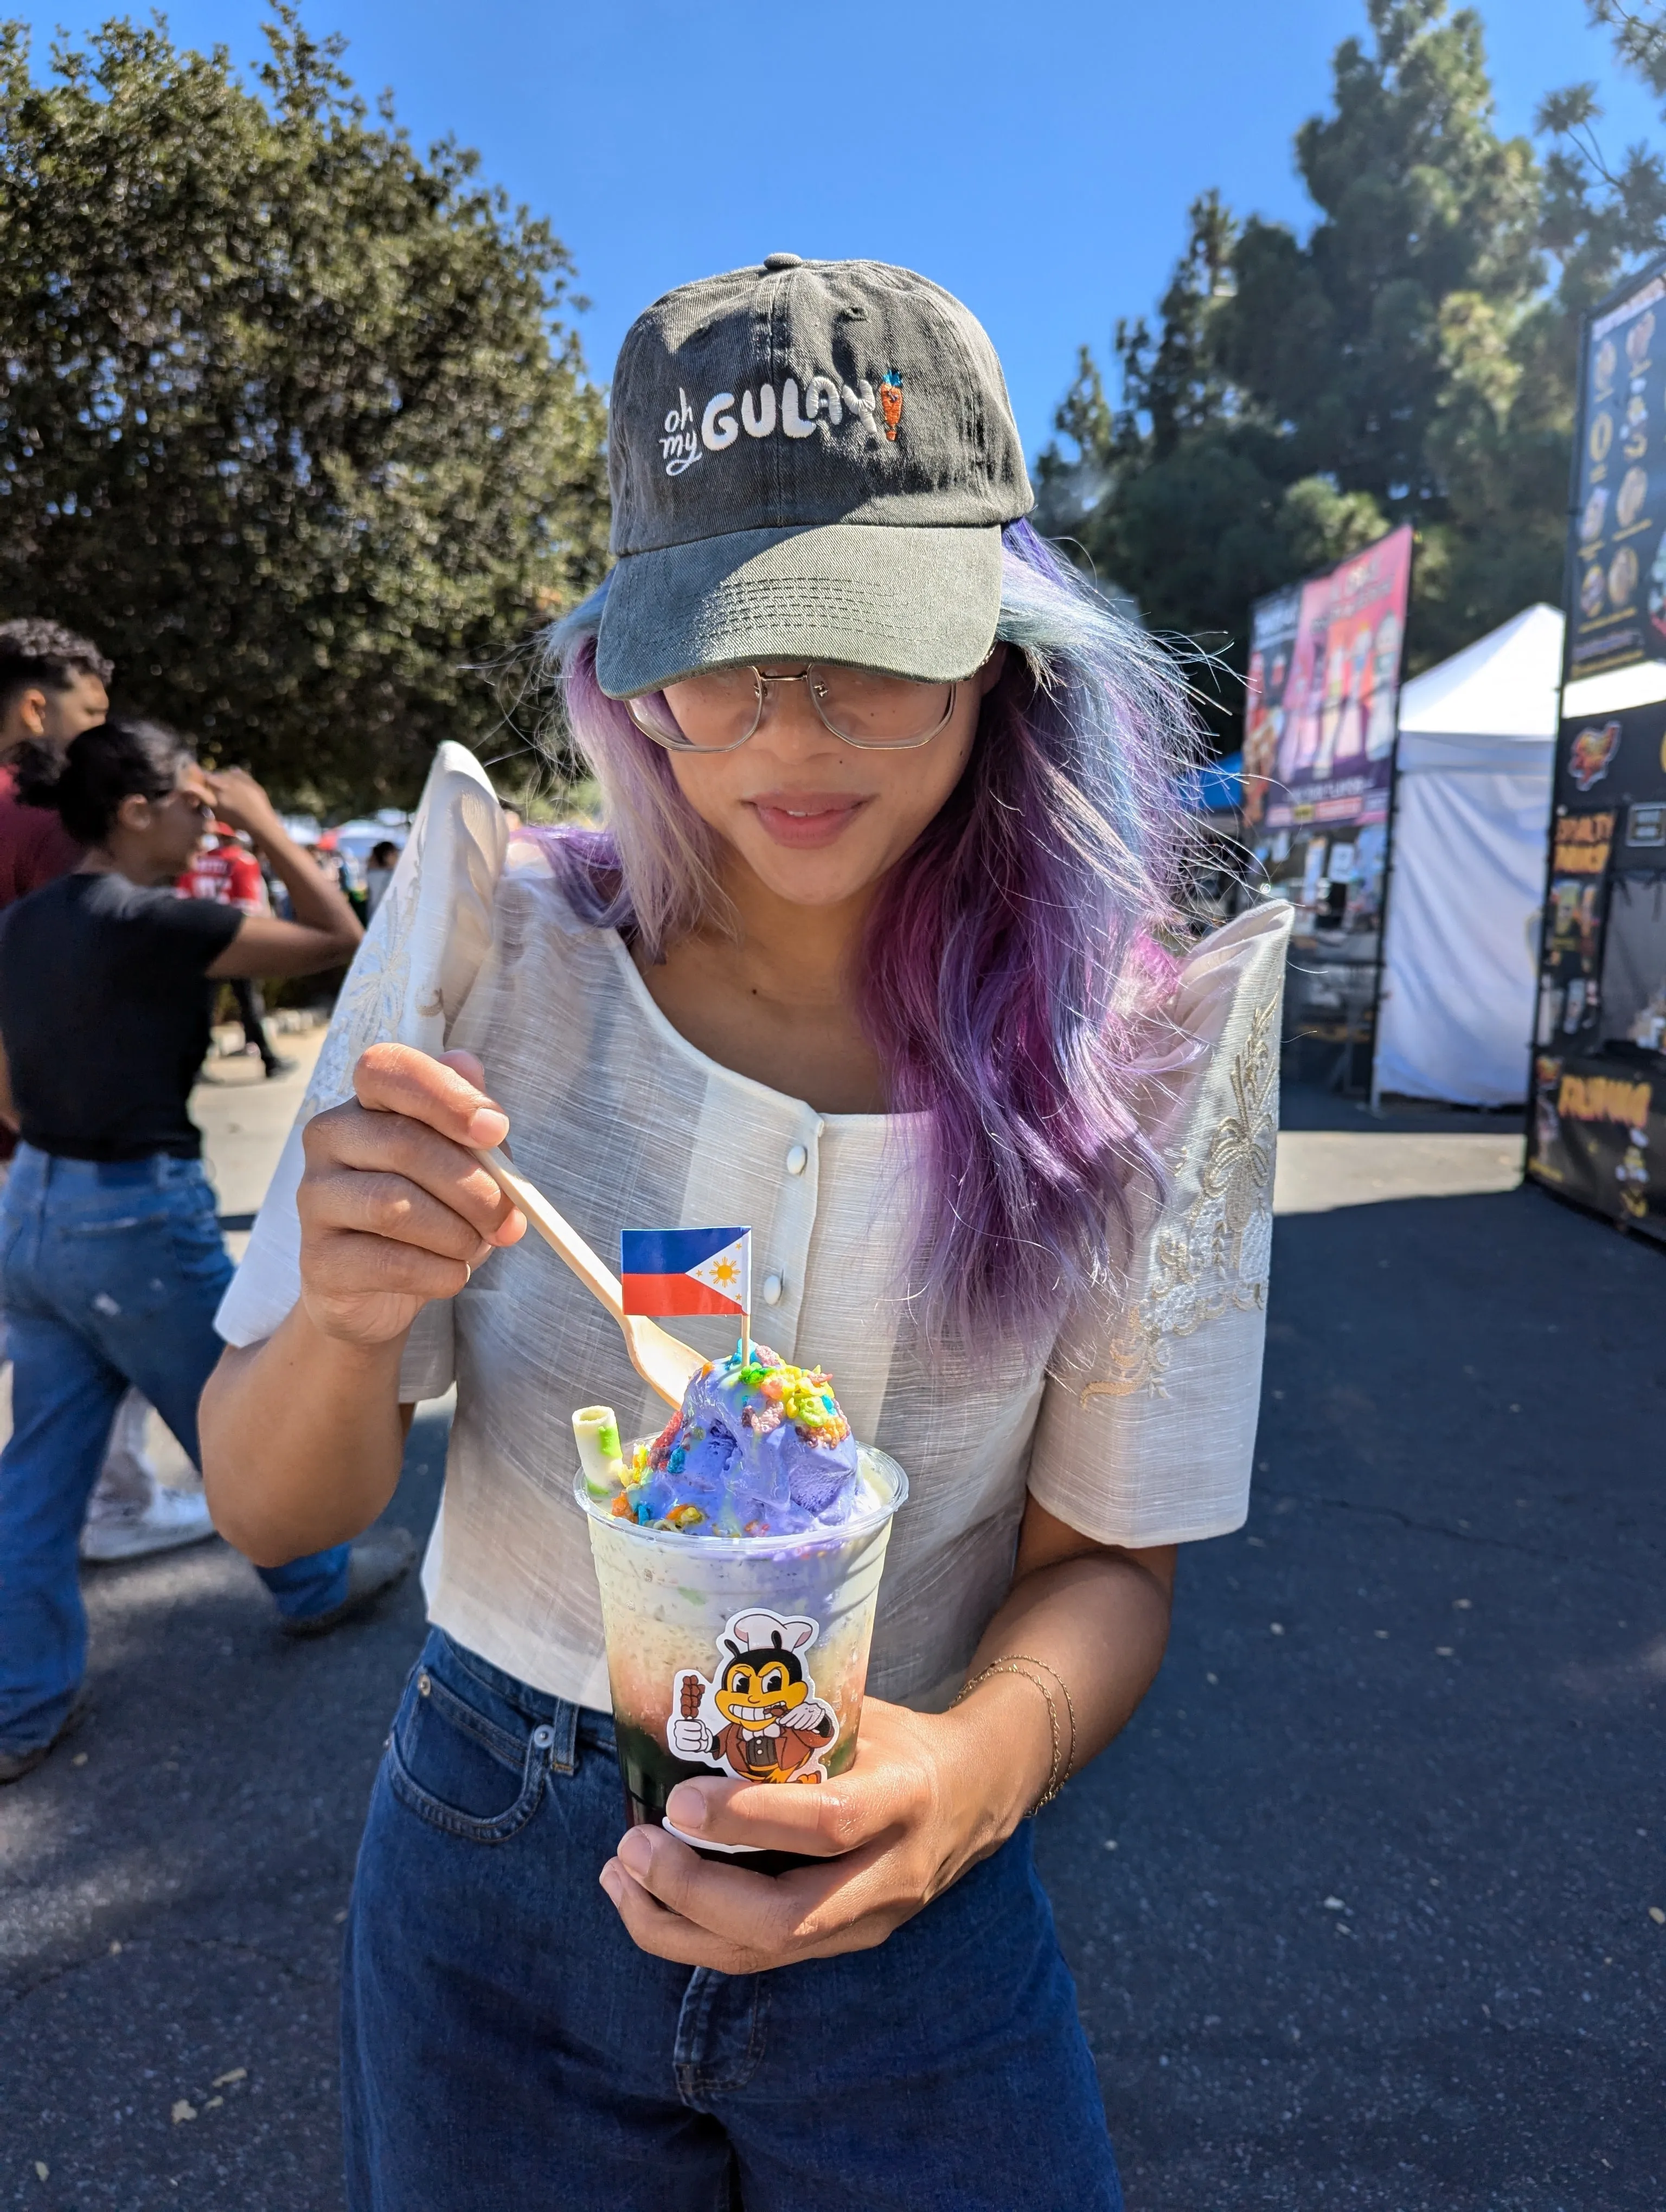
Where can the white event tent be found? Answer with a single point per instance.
(1473, 777)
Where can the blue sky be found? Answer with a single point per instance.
(1035, 157)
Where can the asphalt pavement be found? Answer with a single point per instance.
(1361, 1907)
(1367, 1907)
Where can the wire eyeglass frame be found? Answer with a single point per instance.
(762, 678)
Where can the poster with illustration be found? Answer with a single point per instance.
(1599, 1135)
(1617, 553)
(1329, 732)
(1570, 994)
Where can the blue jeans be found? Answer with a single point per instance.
(505, 2043)
(109, 1274)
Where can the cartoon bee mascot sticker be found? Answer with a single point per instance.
(760, 1720)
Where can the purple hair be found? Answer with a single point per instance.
(1011, 960)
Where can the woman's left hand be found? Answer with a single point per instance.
(927, 1795)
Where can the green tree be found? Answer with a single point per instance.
(288, 421)
(1412, 359)
(1599, 212)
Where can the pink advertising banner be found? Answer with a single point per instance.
(1324, 693)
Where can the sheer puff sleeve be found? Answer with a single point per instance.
(408, 978)
(1147, 1427)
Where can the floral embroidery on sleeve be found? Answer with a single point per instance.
(1217, 1257)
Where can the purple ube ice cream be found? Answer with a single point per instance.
(759, 1447)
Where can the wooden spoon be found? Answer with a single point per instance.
(663, 1362)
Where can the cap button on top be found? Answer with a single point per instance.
(783, 261)
(797, 1159)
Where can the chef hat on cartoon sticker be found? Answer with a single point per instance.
(762, 1631)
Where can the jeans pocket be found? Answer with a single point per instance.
(118, 1261)
(199, 1249)
(462, 1770)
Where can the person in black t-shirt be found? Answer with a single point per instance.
(112, 1264)
(52, 687)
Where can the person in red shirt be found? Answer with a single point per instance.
(226, 872)
(52, 687)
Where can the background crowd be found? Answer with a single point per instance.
(129, 898)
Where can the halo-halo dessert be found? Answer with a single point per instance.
(739, 1556)
(758, 1448)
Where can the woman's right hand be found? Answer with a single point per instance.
(239, 800)
(395, 1209)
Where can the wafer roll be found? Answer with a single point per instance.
(596, 1431)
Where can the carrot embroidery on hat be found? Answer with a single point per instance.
(890, 402)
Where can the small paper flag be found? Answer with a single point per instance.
(664, 1271)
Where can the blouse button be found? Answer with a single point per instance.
(797, 1160)
(772, 1290)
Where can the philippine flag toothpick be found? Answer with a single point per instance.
(686, 1271)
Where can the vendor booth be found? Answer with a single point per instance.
(1473, 774)
(1439, 825)
(1597, 1128)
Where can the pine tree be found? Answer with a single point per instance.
(1411, 359)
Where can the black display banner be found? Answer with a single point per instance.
(1617, 613)
(1599, 1135)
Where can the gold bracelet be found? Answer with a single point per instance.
(1056, 1772)
(1029, 1660)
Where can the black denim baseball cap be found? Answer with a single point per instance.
(810, 460)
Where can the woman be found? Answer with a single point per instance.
(869, 954)
(110, 1259)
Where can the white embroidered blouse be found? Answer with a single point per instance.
(1140, 1430)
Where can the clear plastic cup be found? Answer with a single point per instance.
(744, 1656)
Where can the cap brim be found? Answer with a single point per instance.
(914, 602)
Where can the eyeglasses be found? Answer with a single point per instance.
(721, 708)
